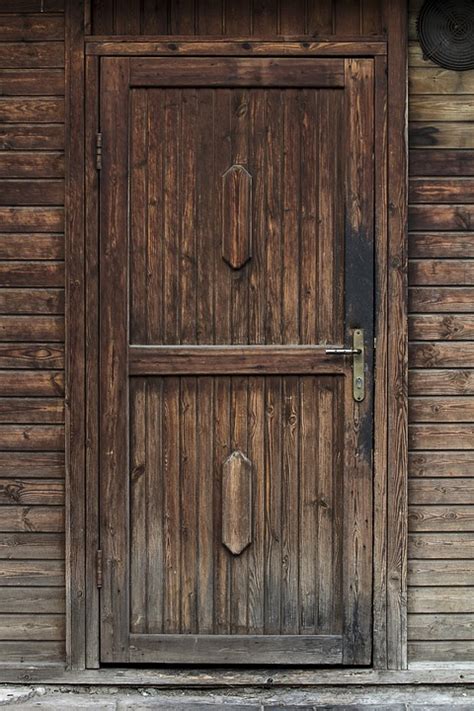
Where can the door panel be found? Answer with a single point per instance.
(285, 146)
(236, 466)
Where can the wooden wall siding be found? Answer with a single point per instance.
(32, 600)
(233, 18)
(441, 277)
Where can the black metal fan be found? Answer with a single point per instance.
(446, 33)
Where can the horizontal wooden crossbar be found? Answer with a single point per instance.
(233, 360)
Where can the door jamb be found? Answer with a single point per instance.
(391, 418)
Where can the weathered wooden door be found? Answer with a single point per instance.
(236, 246)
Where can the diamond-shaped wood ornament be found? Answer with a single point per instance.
(237, 216)
(237, 502)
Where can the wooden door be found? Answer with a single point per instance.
(236, 245)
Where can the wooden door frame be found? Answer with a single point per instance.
(391, 396)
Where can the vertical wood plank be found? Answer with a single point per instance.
(171, 213)
(273, 215)
(265, 18)
(291, 191)
(114, 343)
(75, 337)
(237, 18)
(188, 485)
(359, 233)
(380, 404)
(320, 18)
(154, 508)
(103, 17)
(309, 218)
(273, 502)
(182, 20)
(92, 362)
(205, 506)
(293, 18)
(187, 194)
(172, 506)
(139, 473)
(308, 531)
(348, 17)
(139, 216)
(256, 454)
(221, 414)
(126, 17)
(257, 276)
(290, 505)
(154, 19)
(239, 564)
(153, 277)
(395, 17)
(210, 15)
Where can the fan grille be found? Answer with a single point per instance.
(446, 33)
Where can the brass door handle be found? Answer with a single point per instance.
(358, 362)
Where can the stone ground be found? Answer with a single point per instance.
(457, 698)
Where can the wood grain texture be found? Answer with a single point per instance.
(441, 383)
(32, 595)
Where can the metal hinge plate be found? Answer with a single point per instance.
(98, 568)
(98, 151)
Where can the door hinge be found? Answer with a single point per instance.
(98, 151)
(98, 568)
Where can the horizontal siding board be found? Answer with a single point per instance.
(32, 627)
(442, 355)
(31, 219)
(31, 355)
(444, 557)
(47, 329)
(32, 82)
(32, 546)
(35, 274)
(441, 135)
(441, 272)
(35, 574)
(32, 652)
(36, 600)
(441, 327)
(444, 437)
(441, 382)
(440, 409)
(31, 301)
(442, 108)
(31, 54)
(33, 383)
(441, 491)
(32, 437)
(31, 165)
(441, 464)
(441, 299)
(444, 600)
(32, 464)
(31, 110)
(446, 572)
(436, 519)
(441, 245)
(31, 192)
(441, 217)
(31, 410)
(34, 246)
(27, 137)
(432, 162)
(435, 80)
(440, 626)
(34, 492)
(29, 27)
(442, 190)
(21, 6)
(41, 519)
(441, 651)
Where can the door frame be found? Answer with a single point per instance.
(82, 327)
